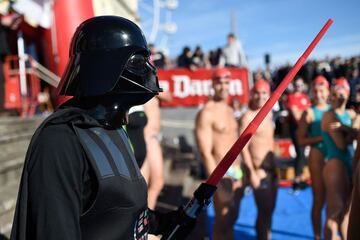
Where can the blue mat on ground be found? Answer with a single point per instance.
(291, 219)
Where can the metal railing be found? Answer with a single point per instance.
(23, 93)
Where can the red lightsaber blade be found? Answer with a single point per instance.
(238, 146)
(180, 229)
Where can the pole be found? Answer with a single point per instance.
(22, 67)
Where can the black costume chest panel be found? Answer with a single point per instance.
(122, 192)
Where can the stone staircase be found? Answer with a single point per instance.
(15, 135)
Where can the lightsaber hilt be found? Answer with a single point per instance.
(189, 212)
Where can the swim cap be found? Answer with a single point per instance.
(221, 73)
(261, 84)
(321, 80)
(342, 83)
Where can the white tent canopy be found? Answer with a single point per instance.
(36, 12)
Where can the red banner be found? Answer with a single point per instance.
(192, 88)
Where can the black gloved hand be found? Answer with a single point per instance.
(178, 224)
(163, 223)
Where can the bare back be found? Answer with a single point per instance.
(152, 110)
(261, 145)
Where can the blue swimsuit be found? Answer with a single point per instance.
(333, 151)
(315, 128)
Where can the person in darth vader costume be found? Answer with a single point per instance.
(80, 179)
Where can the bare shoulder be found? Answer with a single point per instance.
(208, 108)
(246, 117)
(151, 104)
(352, 113)
(309, 115)
(229, 108)
(205, 114)
(355, 118)
(164, 96)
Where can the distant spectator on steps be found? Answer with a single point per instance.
(233, 53)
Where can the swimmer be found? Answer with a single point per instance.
(216, 130)
(309, 134)
(338, 135)
(259, 160)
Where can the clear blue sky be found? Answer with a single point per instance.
(282, 28)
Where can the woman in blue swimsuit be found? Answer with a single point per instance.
(309, 134)
(338, 136)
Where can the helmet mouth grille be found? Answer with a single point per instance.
(145, 89)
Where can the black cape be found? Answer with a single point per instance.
(60, 177)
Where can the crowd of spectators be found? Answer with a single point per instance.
(330, 68)
(232, 55)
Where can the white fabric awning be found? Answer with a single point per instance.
(36, 12)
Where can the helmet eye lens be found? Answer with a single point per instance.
(137, 63)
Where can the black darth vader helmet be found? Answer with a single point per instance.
(109, 57)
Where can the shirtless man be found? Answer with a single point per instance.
(216, 130)
(153, 167)
(259, 160)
